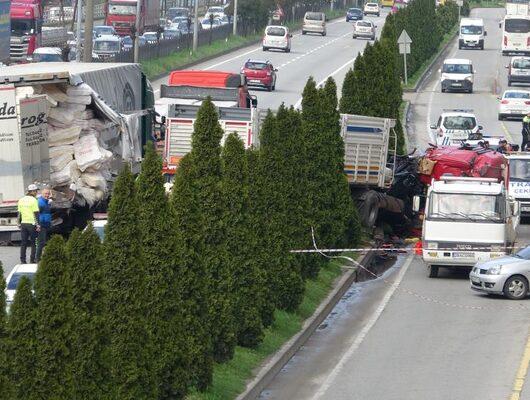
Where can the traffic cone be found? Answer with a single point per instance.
(418, 247)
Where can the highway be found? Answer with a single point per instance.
(311, 55)
(404, 336)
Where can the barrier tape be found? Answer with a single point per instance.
(417, 295)
(407, 249)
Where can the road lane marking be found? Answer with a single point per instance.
(362, 335)
(520, 378)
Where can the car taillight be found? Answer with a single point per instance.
(269, 73)
(504, 102)
(527, 102)
(528, 41)
(505, 40)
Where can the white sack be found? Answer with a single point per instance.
(58, 137)
(61, 114)
(60, 150)
(76, 108)
(80, 90)
(64, 176)
(59, 162)
(86, 100)
(87, 152)
(55, 93)
(95, 180)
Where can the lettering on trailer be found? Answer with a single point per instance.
(8, 112)
(32, 129)
(518, 188)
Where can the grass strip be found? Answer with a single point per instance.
(158, 66)
(230, 379)
(418, 74)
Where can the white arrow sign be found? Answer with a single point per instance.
(404, 38)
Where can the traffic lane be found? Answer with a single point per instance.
(429, 102)
(306, 371)
(311, 55)
(435, 339)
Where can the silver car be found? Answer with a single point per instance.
(507, 275)
(364, 29)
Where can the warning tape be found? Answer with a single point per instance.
(417, 295)
(407, 249)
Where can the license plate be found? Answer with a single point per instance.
(462, 255)
(456, 84)
(459, 136)
(254, 81)
(527, 208)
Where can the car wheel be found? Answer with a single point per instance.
(470, 90)
(459, 47)
(516, 287)
(323, 33)
(509, 83)
(373, 37)
(303, 32)
(378, 14)
(501, 117)
(354, 37)
(265, 49)
(269, 88)
(288, 50)
(433, 271)
(443, 90)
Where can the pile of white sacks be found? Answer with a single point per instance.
(77, 159)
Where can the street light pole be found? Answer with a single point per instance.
(235, 18)
(78, 31)
(89, 27)
(137, 31)
(196, 27)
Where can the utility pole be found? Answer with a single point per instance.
(79, 5)
(235, 18)
(196, 27)
(137, 31)
(89, 27)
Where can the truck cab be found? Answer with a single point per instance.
(26, 28)
(467, 220)
(519, 180)
(471, 34)
(121, 14)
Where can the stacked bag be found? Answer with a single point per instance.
(77, 160)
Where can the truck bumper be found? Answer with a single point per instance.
(454, 85)
(458, 258)
(469, 44)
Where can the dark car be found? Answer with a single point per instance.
(260, 73)
(354, 14)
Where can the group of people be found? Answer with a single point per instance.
(34, 220)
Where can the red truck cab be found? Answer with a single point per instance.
(26, 28)
(214, 84)
(121, 14)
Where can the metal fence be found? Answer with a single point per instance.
(165, 47)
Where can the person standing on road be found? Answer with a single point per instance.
(28, 218)
(45, 220)
(526, 132)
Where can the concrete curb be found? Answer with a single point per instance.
(428, 71)
(405, 122)
(288, 350)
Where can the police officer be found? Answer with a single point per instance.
(28, 220)
(526, 132)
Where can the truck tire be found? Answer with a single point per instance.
(433, 271)
(369, 209)
(509, 82)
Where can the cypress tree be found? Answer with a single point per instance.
(284, 271)
(205, 158)
(90, 359)
(5, 385)
(54, 317)
(191, 275)
(240, 238)
(165, 312)
(258, 219)
(354, 88)
(22, 343)
(131, 347)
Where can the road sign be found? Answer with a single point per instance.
(459, 3)
(404, 38)
(404, 48)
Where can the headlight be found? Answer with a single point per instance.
(496, 270)
(469, 78)
(432, 245)
(496, 247)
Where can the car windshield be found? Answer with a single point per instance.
(364, 24)
(466, 207)
(255, 65)
(15, 278)
(150, 36)
(313, 16)
(371, 4)
(524, 253)
(104, 30)
(519, 170)
(355, 11)
(275, 31)
(122, 9)
(22, 26)
(127, 41)
(457, 68)
(517, 25)
(47, 57)
(459, 122)
(521, 63)
(106, 45)
(471, 30)
(177, 12)
(516, 95)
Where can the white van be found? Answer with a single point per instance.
(471, 34)
(314, 22)
(516, 34)
(457, 74)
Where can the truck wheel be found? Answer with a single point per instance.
(516, 287)
(269, 88)
(265, 49)
(501, 117)
(433, 271)
(303, 32)
(369, 209)
(509, 82)
(470, 90)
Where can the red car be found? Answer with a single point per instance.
(260, 74)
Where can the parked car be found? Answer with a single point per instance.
(216, 11)
(277, 37)
(150, 37)
(314, 22)
(98, 223)
(47, 54)
(171, 32)
(18, 271)
(519, 70)
(224, 20)
(371, 8)
(507, 275)
(174, 12)
(207, 24)
(364, 29)
(260, 73)
(354, 14)
(101, 30)
(514, 104)
(179, 19)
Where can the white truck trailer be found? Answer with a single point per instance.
(467, 220)
(519, 180)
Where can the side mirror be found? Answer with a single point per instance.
(275, 69)
(485, 33)
(416, 204)
(480, 127)
(290, 35)
(498, 98)
(254, 101)
(433, 126)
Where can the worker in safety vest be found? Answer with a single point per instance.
(28, 220)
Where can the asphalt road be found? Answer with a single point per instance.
(311, 55)
(405, 336)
